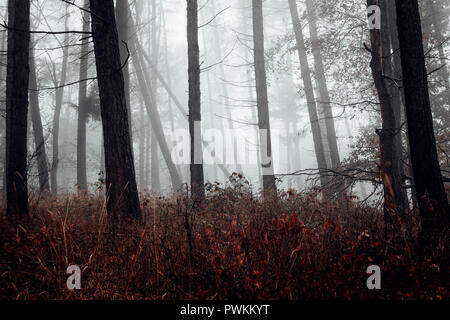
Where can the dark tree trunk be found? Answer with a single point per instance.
(398, 93)
(431, 195)
(17, 80)
(309, 92)
(41, 155)
(123, 200)
(391, 70)
(269, 185)
(394, 195)
(82, 101)
(195, 116)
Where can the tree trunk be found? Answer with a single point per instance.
(17, 80)
(309, 93)
(398, 93)
(56, 117)
(44, 185)
(121, 189)
(247, 27)
(394, 195)
(269, 185)
(323, 87)
(196, 167)
(82, 99)
(431, 195)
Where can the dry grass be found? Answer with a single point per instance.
(293, 248)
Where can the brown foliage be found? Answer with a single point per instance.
(294, 247)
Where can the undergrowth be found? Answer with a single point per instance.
(234, 246)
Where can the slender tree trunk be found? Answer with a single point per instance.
(309, 93)
(82, 101)
(431, 195)
(44, 185)
(196, 167)
(121, 189)
(394, 195)
(17, 80)
(56, 117)
(323, 87)
(269, 185)
(247, 26)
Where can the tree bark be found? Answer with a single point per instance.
(17, 80)
(394, 195)
(41, 155)
(309, 93)
(121, 188)
(196, 167)
(432, 198)
(269, 185)
(82, 101)
(398, 93)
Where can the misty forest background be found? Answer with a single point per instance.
(92, 93)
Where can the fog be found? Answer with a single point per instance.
(227, 86)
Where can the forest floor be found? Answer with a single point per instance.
(234, 246)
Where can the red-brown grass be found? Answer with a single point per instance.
(294, 247)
